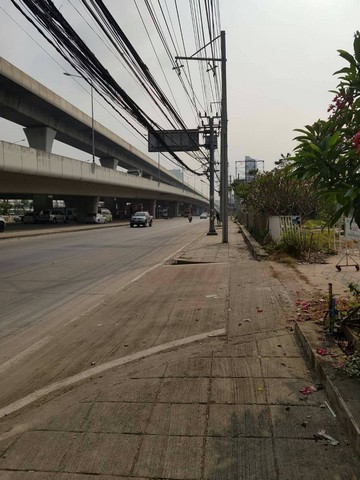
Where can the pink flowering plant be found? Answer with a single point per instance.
(328, 151)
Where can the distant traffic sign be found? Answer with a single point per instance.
(174, 140)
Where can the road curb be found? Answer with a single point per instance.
(257, 251)
(40, 233)
(333, 386)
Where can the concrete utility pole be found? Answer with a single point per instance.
(211, 147)
(224, 144)
(224, 140)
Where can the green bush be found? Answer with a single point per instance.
(302, 244)
(352, 365)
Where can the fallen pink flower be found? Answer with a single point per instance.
(307, 390)
(322, 351)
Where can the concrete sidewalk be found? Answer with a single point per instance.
(225, 406)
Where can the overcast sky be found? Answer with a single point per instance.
(281, 56)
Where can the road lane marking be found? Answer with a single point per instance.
(9, 363)
(32, 397)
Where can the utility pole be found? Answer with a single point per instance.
(224, 144)
(211, 147)
(224, 140)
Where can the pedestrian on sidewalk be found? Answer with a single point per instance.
(217, 215)
(190, 217)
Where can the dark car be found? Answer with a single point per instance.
(141, 218)
(29, 217)
(2, 224)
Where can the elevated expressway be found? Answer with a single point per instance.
(35, 171)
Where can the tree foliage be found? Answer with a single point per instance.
(328, 151)
(18, 206)
(277, 193)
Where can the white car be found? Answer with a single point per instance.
(95, 218)
(2, 224)
(51, 216)
(204, 215)
(105, 212)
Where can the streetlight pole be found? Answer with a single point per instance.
(92, 111)
(92, 121)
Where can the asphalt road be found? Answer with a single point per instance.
(69, 298)
(41, 275)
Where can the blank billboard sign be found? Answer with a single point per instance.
(174, 140)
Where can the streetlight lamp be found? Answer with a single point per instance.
(92, 111)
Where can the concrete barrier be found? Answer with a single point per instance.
(257, 251)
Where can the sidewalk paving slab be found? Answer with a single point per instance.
(221, 409)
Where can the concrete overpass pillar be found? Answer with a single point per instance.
(41, 138)
(42, 202)
(112, 204)
(152, 207)
(109, 163)
(84, 206)
(175, 209)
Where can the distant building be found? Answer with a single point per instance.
(250, 168)
(245, 170)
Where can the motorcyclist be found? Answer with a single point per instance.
(190, 217)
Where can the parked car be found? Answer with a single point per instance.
(204, 215)
(106, 213)
(70, 214)
(95, 218)
(2, 224)
(51, 216)
(29, 217)
(15, 218)
(141, 218)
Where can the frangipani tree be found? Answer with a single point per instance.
(277, 193)
(328, 152)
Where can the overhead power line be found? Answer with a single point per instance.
(47, 19)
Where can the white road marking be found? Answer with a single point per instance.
(32, 397)
(35, 346)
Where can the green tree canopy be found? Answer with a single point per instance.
(328, 151)
(277, 193)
